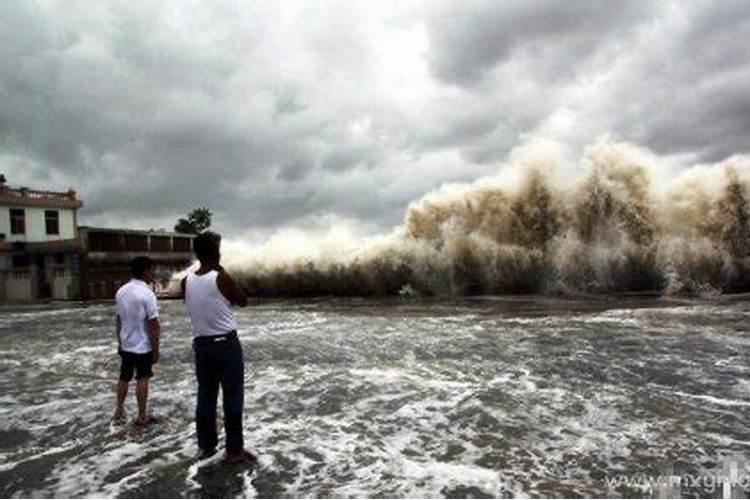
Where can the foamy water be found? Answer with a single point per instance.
(499, 397)
(614, 218)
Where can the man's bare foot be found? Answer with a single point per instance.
(119, 416)
(240, 457)
(146, 420)
(204, 454)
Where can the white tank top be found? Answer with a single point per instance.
(210, 312)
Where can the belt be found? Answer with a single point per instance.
(210, 339)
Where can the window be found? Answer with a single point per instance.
(52, 221)
(22, 260)
(17, 221)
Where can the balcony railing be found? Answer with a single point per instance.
(37, 194)
(26, 197)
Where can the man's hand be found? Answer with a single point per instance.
(155, 356)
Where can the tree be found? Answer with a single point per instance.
(197, 221)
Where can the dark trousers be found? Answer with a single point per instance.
(218, 361)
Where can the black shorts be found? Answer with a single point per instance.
(131, 361)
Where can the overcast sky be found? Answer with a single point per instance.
(303, 113)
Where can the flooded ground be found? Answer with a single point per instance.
(483, 397)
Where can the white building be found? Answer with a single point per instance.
(38, 244)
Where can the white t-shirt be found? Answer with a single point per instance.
(136, 305)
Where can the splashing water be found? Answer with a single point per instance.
(622, 223)
(460, 398)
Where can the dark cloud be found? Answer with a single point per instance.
(471, 38)
(293, 171)
(687, 91)
(271, 114)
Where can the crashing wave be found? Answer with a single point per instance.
(621, 224)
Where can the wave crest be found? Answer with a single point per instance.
(622, 223)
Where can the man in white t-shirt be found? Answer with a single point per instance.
(138, 333)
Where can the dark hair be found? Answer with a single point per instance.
(206, 245)
(140, 265)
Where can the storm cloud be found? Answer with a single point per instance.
(283, 114)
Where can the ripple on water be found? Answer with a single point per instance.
(491, 398)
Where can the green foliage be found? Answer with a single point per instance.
(197, 221)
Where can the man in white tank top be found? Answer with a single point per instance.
(210, 294)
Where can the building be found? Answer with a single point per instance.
(45, 255)
(39, 244)
(106, 255)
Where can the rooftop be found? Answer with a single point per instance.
(25, 197)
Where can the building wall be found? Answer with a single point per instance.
(18, 285)
(36, 229)
(105, 277)
(62, 284)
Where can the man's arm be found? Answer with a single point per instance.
(183, 284)
(153, 327)
(118, 327)
(230, 290)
